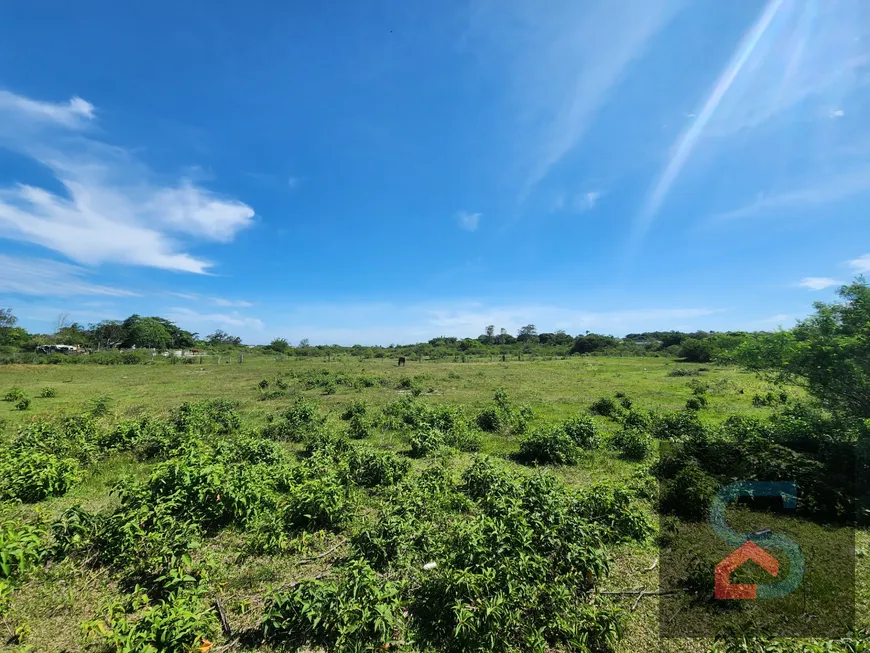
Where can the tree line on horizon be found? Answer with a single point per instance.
(160, 333)
(140, 332)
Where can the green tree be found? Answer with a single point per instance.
(696, 350)
(145, 332)
(72, 334)
(592, 342)
(828, 353)
(219, 337)
(279, 344)
(528, 333)
(11, 335)
(107, 334)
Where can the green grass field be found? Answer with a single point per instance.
(52, 603)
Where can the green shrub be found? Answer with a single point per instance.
(370, 468)
(606, 407)
(21, 549)
(679, 425)
(296, 423)
(489, 419)
(358, 611)
(23, 404)
(48, 393)
(614, 506)
(354, 409)
(34, 475)
(583, 432)
(549, 445)
(14, 394)
(696, 403)
(359, 426)
(426, 441)
(99, 406)
(684, 371)
(638, 419)
(689, 493)
(633, 444)
(136, 624)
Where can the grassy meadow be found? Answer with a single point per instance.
(45, 611)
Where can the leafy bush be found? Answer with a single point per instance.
(606, 407)
(696, 403)
(23, 404)
(34, 475)
(359, 611)
(582, 431)
(689, 493)
(614, 506)
(679, 425)
(359, 426)
(370, 468)
(135, 624)
(203, 418)
(489, 419)
(633, 444)
(503, 416)
(21, 549)
(770, 398)
(99, 406)
(14, 394)
(296, 423)
(549, 445)
(48, 393)
(427, 440)
(684, 371)
(354, 409)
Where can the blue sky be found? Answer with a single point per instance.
(376, 172)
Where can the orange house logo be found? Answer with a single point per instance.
(749, 551)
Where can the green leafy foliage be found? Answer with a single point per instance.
(583, 432)
(48, 393)
(549, 445)
(34, 475)
(21, 549)
(633, 443)
(14, 394)
(136, 624)
(358, 611)
(606, 407)
(23, 404)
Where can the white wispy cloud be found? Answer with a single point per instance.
(44, 277)
(861, 265)
(18, 110)
(113, 210)
(561, 66)
(587, 201)
(814, 192)
(201, 321)
(795, 61)
(468, 221)
(818, 283)
(216, 301)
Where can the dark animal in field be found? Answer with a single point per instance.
(401, 361)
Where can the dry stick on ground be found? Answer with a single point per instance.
(305, 561)
(222, 615)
